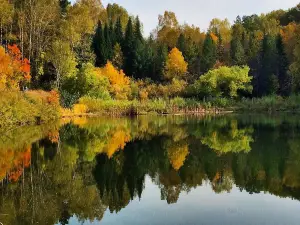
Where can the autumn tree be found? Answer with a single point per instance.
(14, 70)
(176, 67)
(120, 83)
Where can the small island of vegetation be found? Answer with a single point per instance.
(59, 59)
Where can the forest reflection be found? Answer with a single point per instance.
(85, 166)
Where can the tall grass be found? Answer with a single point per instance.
(270, 104)
(159, 106)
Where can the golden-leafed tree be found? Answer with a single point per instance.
(176, 66)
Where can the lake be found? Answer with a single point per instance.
(230, 169)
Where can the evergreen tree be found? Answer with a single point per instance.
(221, 49)
(118, 32)
(181, 43)
(283, 66)
(268, 77)
(64, 6)
(138, 30)
(112, 33)
(237, 52)
(253, 55)
(129, 49)
(209, 53)
(108, 42)
(99, 46)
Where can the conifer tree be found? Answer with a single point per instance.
(138, 30)
(129, 49)
(99, 46)
(118, 32)
(237, 52)
(268, 77)
(64, 6)
(209, 54)
(283, 66)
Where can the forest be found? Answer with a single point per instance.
(87, 58)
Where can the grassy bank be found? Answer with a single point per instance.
(34, 107)
(158, 106)
(269, 104)
(31, 107)
(190, 106)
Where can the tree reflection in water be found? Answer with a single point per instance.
(84, 167)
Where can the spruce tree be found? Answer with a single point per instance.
(98, 46)
(209, 54)
(268, 77)
(64, 6)
(138, 30)
(108, 45)
(237, 52)
(181, 43)
(119, 32)
(283, 67)
(129, 49)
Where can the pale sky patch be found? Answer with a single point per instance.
(198, 12)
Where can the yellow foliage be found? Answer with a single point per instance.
(79, 109)
(177, 155)
(120, 83)
(143, 94)
(117, 142)
(176, 66)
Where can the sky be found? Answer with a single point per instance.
(198, 12)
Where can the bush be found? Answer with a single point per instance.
(28, 107)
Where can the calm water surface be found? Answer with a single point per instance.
(235, 169)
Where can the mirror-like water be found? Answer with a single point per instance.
(153, 170)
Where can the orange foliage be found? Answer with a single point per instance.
(13, 69)
(12, 163)
(53, 97)
(214, 37)
(120, 83)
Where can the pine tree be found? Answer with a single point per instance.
(237, 52)
(181, 43)
(253, 55)
(112, 33)
(119, 32)
(220, 49)
(129, 49)
(268, 74)
(108, 43)
(283, 66)
(138, 30)
(99, 46)
(209, 54)
(64, 6)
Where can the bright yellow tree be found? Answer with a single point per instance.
(120, 83)
(176, 66)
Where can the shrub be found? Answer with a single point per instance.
(28, 107)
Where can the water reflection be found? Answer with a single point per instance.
(80, 169)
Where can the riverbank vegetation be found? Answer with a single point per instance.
(95, 59)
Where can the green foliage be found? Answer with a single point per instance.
(18, 108)
(209, 54)
(93, 84)
(225, 81)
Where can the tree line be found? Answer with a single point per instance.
(65, 44)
